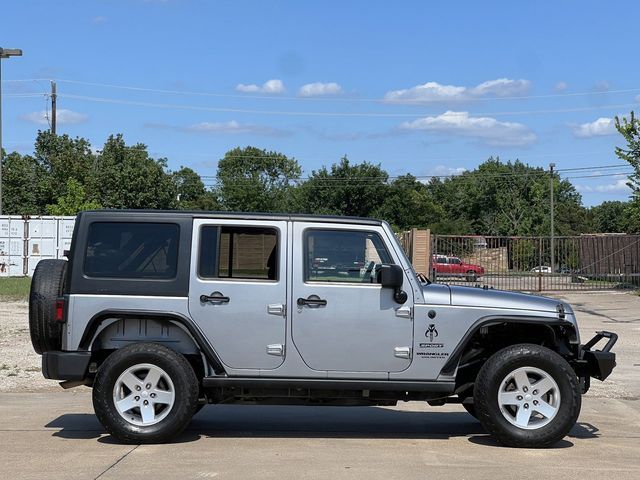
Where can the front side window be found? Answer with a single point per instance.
(132, 250)
(249, 253)
(344, 256)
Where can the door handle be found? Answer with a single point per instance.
(215, 297)
(316, 302)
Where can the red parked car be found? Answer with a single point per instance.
(446, 266)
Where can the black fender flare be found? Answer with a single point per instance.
(96, 321)
(452, 363)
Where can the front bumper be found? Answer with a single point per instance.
(598, 363)
(65, 365)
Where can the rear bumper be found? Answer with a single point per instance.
(599, 363)
(65, 365)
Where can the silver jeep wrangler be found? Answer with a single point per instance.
(165, 312)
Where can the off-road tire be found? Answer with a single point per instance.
(47, 286)
(498, 367)
(177, 368)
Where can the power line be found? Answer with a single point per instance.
(211, 181)
(618, 174)
(340, 99)
(468, 174)
(329, 114)
(24, 95)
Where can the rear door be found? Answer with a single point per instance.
(237, 292)
(342, 319)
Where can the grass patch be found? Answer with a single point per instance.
(14, 288)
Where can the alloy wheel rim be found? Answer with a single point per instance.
(529, 398)
(144, 394)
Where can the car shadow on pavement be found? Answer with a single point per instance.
(580, 430)
(228, 421)
(85, 426)
(330, 422)
(80, 426)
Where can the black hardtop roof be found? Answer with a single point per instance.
(298, 217)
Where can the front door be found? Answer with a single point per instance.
(237, 292)
(343, 320)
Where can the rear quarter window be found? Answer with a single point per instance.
(132, 250)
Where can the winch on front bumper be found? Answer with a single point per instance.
(596, 363)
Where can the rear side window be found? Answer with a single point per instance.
(249, 253)
(132, 250)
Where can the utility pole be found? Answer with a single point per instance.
(4, 53)
(54, 96)
(553, 240)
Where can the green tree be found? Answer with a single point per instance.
(74, 200)
(191, 192)
(352, 190)
(629, 128)
(511, 198)
(254, 180)
(127, 177)
(22, 185)
(408, 203)
(62, 158)
(609, 217)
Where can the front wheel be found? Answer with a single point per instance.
(145, 393)
(527, 396)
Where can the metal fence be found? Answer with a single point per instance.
(24, 241)
(585, 262)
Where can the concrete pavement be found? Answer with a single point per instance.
(56, 435)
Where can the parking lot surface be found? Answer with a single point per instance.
(50, 433)
(56, 435)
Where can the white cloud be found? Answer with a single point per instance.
(598, 128)
(234, 127)
(502, 87)
(317, 89)
(63, 117)
(638, 98)
(435, 92)
(619, 186)
(560, 87)
(273, 86)
(602, 86)
(99, 19)
(429, 92)
(486, 129)
(441, 170)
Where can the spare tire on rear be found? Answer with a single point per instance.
(46, 287)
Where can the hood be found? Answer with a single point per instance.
(478, 297)
(436, 294)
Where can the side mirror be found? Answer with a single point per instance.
(392, 276)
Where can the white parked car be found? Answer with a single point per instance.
(541, 269)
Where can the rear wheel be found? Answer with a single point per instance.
(527, 396)
(47, 286)
(145, 393)
(471, 276)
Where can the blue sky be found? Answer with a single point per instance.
(420, 87)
